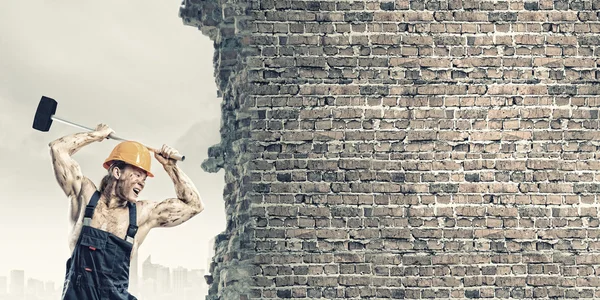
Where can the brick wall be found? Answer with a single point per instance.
(406, 149)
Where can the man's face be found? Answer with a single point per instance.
(131, 183)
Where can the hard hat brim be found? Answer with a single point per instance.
(108, 163)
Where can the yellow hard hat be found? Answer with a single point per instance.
(132, 153)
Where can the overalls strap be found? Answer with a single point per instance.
(89, 209)
(132, 230)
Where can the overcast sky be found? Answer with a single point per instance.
(130, 64)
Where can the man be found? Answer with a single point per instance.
(109, 223)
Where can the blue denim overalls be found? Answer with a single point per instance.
(99, 266)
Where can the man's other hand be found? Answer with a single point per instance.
(103, 131)
(164, 154)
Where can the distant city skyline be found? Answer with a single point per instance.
(156, 282)
(17, 286)
(160, 282)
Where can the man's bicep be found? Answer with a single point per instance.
(67, 172)
(171, 212)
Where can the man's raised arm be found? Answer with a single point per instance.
(174, 211)
(66, 169)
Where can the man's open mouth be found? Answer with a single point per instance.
(136, 191)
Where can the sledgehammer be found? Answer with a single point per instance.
(45, 114)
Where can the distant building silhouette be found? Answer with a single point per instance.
(163, 280)
(34, 289)
(52, 290)
(133, 275)
(148, 287)
(3, 286)
(17, 284)
(180, 282)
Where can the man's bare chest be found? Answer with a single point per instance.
(112, 220)
(115, 221)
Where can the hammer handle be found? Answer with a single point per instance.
(175, 157)
(111, 136)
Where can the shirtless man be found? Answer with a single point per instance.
(109, 222)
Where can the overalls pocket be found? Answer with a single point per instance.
(97, 255)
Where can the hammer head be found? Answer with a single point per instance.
(43, 115)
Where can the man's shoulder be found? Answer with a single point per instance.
(144, 210)
(145, 204)
(88, 188)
